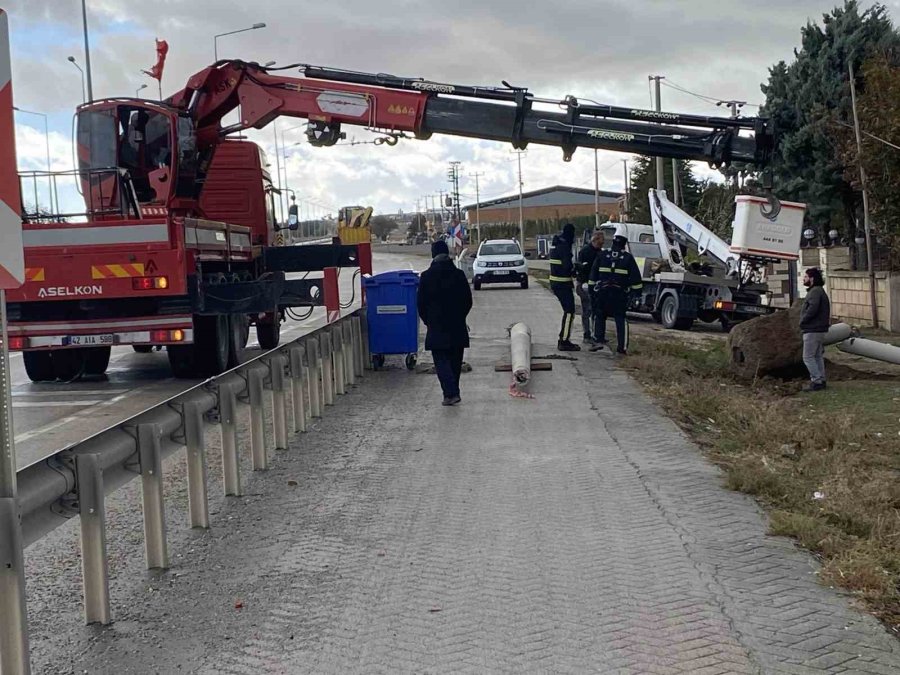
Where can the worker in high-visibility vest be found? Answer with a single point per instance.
(616, 278)
(562, 270)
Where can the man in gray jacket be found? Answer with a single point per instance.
(815, 318)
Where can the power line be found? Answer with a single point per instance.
(702, 97)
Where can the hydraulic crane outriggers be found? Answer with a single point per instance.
(147, 263)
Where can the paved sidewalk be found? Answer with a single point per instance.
(578, 532)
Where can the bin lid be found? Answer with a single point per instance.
(396, 277)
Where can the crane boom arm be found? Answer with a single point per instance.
(330, 98)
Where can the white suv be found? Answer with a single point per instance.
(499, 261)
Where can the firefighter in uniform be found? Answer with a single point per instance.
(583, 267)
(615, 277)
(562, 270)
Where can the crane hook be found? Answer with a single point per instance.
(774, 207)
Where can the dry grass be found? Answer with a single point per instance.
(826, 464)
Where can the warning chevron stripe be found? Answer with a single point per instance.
(117, 271)
(34, 274)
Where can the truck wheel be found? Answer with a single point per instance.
(726, 325)
(68, 364)
(211, 344)
(269, 334)
(96, 360)
(39, 366)
(142, 349)
(476, 285)
(525, 282)
(181, 360)
(238, 336)
(669, 314)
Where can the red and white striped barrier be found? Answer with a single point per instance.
(12, 258)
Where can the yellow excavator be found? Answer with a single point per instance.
(353, 224)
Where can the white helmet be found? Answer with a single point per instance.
(621, 231)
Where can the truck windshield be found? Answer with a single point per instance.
(500, 249)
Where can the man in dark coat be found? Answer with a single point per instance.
(444, 300)
(815, 319)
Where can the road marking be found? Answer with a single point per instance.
(21, 438)
(70, 392)
(53, 404)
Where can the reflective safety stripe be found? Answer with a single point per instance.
(563, 279)
(554, 261)
(591, 283)
(604, 269)
(637, 287)
(621, 271)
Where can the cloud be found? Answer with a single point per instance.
(594, 49)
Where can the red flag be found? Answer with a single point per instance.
(156, 72)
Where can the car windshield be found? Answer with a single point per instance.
(500, 249)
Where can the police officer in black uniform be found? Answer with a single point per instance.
(583, 267)
(615, 276)
(562, 270)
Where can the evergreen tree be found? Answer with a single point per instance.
(643, 177)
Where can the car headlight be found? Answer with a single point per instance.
(520, 262)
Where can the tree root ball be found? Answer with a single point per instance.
(767, 343)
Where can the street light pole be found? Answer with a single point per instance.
(137, 92)
(87, 51)
(240, 30)
(54, 206)
(75, 63)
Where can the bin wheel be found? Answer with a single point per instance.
(377, 361)
(410, 361)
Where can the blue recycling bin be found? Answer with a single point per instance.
(392, 315)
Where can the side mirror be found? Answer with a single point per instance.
(293, 220)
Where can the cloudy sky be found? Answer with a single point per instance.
(597, 49)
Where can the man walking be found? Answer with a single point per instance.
(586, 257)
(616, 277)
(561, 272)
(444, 300)
(815, 319)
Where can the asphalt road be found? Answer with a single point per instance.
(50, 416)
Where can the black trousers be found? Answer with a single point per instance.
(448, 366)
(611, 301)
(566, 297)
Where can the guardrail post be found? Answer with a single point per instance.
(231, 463)
(299, 380)
(14, 651)
(364, 338)
(349, 353)
(155, 545)
(340, 378)
(279, 419)
(358, 358)
(316, 380)
(258, 453)
(94, 564)
(327, 367)
(198, 498)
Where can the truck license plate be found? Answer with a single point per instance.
(91, 340)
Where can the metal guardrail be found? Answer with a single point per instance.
(303, 376)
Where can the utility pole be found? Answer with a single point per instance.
(87, 51)
(660, 174)
(278, 171)
(596, 192)
(868, 226)
(627, 195)
(519, 154)
(453, 175)
(441, 205)
(477, 208)
(735, 107)
(676, 193)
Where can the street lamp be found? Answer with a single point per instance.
(241, 30)
(87, 51)
(137, 92)
(75, 63)
(49, 170)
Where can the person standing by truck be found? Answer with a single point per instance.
(562, 270)
(815, 319)
(583, 267)
(616, 277)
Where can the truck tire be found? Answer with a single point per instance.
(181, 360)
(238, 336)
(39, 366)
(211, 344)
(68, 364)
(96, 360)
(268, 334)
(669, 314)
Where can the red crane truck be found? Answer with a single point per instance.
(175, 245)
